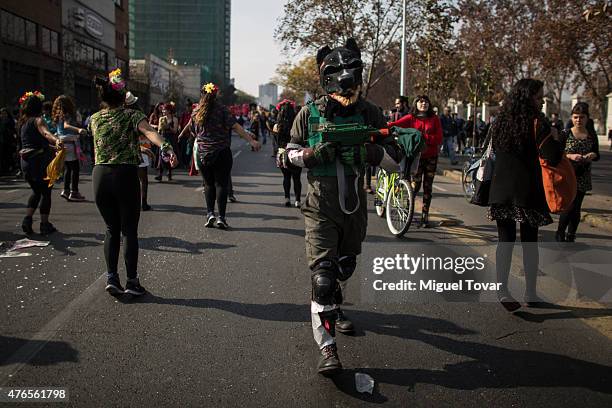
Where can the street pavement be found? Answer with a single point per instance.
(226, 322)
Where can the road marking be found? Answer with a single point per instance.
(237, 153)
(32, 347)
(439, 188)
(12, 191)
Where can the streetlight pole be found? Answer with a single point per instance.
(403, 63)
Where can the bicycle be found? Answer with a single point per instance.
(395, 198)
(468, 174)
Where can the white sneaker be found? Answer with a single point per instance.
(298, 204)
(210, 221)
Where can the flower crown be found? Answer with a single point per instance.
(284, 101)
(116, 80)
(210, 88)
(29, 94)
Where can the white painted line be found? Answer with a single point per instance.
(439, 188)
(11, 191)
(237, 153)
(38, 341)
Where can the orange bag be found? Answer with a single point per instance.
(560, 184)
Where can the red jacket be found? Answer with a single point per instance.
(430, 127)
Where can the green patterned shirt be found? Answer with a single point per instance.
(115, 134)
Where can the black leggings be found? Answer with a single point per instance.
(571, 219)
(216, 181)
(117, 193)
(506, 230)
(41, 193)
(143, 175)
(71, 176)
(289, 175)
(426, 173)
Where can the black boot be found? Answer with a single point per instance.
(26, 225)
(424, 220)
(570, 237)
(344, 325)
(560, 236)
(47, 228)
(329, 363)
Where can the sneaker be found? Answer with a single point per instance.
(65, 195)
(210, 221)
(26, 225)
(297, 204)
(133, 287)
(222, 224)
(113, 286)
(76, 196)
(287, 202)
(146, 207)
(509, 303)
(47, 228)
(232, 198)
(344, 325)
(158, 178)
(329, 363)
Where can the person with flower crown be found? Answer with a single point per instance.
(282, 135)
(35, 157)
(211, 123)
(116, 130)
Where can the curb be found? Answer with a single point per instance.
(597, 221)
(451, 174)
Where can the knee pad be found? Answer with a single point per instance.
(347, 265)
(324, 285)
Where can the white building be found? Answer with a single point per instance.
(268, 95)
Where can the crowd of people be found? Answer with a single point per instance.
(124, 143)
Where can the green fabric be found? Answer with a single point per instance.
(410, 139)
(315, 137)
(115, 134)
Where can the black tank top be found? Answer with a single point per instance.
(31, 137)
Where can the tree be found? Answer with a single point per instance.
(308, 25)
(299, 79)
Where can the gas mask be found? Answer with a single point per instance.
(340, 72)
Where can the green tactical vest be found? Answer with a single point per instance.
(314, 137)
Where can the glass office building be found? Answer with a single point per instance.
(194, 32)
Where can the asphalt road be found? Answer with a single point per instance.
(226, 322)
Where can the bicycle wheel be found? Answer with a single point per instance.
(400, 208)
(467, 181)
(380, 196)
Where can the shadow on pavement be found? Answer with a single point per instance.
(177, 245)
(488, 366)
(271, 230)
(53, 352)
(264, 217)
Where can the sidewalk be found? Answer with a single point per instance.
(596, 209)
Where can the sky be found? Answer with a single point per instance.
(254, 53)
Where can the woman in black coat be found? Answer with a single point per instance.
(517, 190)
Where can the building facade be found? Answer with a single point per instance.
(30, 49)
(268, 95)
(59, 45)
(193, 32)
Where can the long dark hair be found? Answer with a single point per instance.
(514, 122)
(430, 112)
(30, 108)
(285, 118)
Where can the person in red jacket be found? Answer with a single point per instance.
(424, 119)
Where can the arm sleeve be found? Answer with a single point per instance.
(299, 130)
(403, 122)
